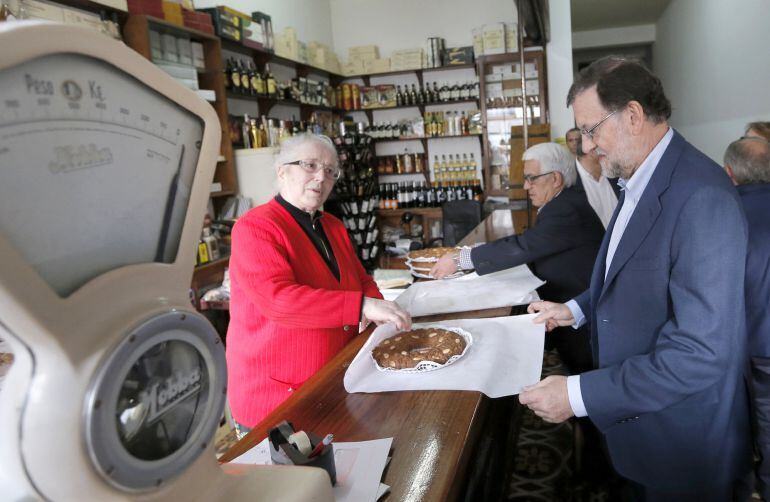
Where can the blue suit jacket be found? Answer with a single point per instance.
(756, 203)
(668, 323)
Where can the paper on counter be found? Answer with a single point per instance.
(513, 286)
(359, 467)
(506, 356)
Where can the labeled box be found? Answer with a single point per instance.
(377, 66)
(494, 38)
(458, 56)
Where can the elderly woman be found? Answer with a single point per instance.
(560, 248)
(298, 291)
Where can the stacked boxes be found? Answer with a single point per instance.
(434, 50)
(496, 38)
(286, 44)
(358, 57)
(377, 66)
(493, 35)
(196, 20)
(152, 8)
(259, 34)
(228, 22)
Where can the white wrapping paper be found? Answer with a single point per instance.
(513, 286)
(506, 355)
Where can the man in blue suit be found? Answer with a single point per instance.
(665, 303)
(747, 162)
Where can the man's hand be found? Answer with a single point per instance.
(548, 399)
(445, 266)
(382, 311)
(552, 314)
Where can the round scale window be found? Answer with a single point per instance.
(160, 401)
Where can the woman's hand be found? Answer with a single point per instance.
(446, 265)
(382, 311)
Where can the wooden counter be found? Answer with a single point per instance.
(436, 434)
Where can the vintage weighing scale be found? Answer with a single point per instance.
(118, 384)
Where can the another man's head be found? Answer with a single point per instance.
(548, 169)
(622, 112)
(573, 140)
(747, 161)
(758, 130)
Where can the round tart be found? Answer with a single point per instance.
(421, 349)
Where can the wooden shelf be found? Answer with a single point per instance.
(95, 7)
(174, 29)
(262, 56)
(425, 138)
(268, 103)
(417, 70)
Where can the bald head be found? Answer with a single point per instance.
(747, 161)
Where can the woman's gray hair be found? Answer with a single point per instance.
(289, 147)
(749, 158)
(553, 157)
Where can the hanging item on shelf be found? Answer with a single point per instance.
(357, 190)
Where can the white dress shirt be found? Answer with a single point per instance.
(633, 189)
(600, 194)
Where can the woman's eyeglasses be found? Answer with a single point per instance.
(312, 167)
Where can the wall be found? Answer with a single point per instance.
(713, 59)
(311, 18)
(404, 24)
(614, 37)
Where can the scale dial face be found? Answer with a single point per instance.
(96, 168)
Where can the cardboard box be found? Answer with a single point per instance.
(377, 66)
(511, 37)
(386, 95)
(353, 68)
(369, 98)
(184, 48)
(406, 59)
(197, 55)
(478, 41)
(287, 45)
(266, 23)
(169, 50)
(494, 38)
(458, 56)
(226, 23)
(363, 53)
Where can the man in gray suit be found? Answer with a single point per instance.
(665, 302)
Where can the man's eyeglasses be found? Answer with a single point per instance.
(590, 132)
(312, 167)
(530, 178)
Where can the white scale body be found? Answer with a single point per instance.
(117, 385)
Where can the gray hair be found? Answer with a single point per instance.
(553, 158)
(749, 159)
(289, 147)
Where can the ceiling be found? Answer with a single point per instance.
(599, 14)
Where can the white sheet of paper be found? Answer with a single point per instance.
(513, 286)
(359, 467)
(506, 355)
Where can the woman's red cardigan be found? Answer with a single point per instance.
(288, 313)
